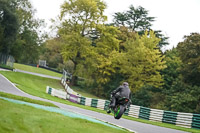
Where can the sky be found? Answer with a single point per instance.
(175, 18)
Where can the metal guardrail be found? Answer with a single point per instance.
(66, 76)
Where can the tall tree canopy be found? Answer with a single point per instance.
(181, 83)
(9, 25)
(172, 71)
(189, 51)
(20, 33)
(80, 18)
(29, 36)
(135, 18)
(138, 20)
(143, 61)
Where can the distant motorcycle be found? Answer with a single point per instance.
(120, 107)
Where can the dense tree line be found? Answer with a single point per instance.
(19, 31)
(101, 56)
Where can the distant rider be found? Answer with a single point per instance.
(122, 91)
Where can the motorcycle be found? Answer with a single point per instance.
(120, 107)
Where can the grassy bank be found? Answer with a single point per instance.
(36, 70)
(47, 72)
(84, 92)
(6, 67)
(30, 83)
(25, 119)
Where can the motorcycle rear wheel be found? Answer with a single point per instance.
(119, 112)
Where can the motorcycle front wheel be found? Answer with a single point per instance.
(119, 110)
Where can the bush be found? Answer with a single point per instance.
(142, 97)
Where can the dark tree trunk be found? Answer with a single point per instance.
(74, 81)
(74, 78)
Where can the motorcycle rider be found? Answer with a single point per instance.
(122, 91)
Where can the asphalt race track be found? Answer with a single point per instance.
(8, 87)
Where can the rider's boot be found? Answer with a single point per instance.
(109, 108)
(108, 111)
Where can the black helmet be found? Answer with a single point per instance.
(125, 84)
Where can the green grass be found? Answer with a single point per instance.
(25, 119)
(35, 85)
(2, 94)
(32, 84)
(6, 67)
(36, 70)
(47, 72)
(84, 92)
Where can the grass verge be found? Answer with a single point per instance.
(23, 118)
(36, 86)
(36, 70)
(25, 99)
(6, 67)
(84, 92)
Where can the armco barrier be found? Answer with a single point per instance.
(126, 112)
(156, 115)
(101, 104)
(48, 90)
(63, 94)
(82, 101)
(77, 98)
(74, 98)
(188, 120)
(57, 93)
(196, 121)
(94, 103)
(184, 119)
(106, 104)
(88, 101)
(134, 111)
(169, 117)
(144, 113)
(68, 89)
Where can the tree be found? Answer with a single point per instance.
(107, 49)
(19, 30)
(52, 53)
(164, 39)
(138, 20)
(143, 61)
(100, 63)
(9, 25)
(142, 97)
(79, 18)
(189, 51)
(82, 16)
(172, 71)
(124, 35)
(181, 88)
(27, 47)
(183, 97)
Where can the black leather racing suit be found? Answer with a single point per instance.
(121, 91)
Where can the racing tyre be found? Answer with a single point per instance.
(119, 110)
